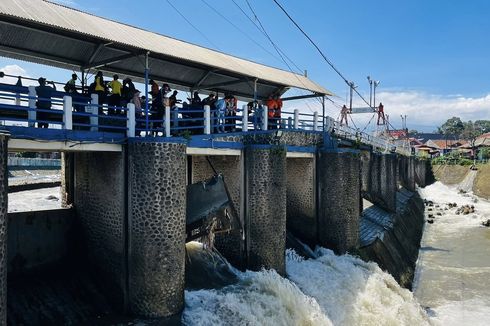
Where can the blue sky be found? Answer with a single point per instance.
(430, 56)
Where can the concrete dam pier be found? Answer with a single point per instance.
(127, 209)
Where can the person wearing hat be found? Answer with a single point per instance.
(44, 93)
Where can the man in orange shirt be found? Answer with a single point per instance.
(277, 112)
(271, 108)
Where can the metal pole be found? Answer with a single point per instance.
(83, 80)
(255, 90)
(323, 112)
(351, 84)
(147, 122)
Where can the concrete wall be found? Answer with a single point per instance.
(38, 239)
(423, 173)
(100, 205)
(157, 207)
(301, 198)
(339, 188)
(265, 170)
(406, 172)
(379, 179)
(230, 245)
(3, 227)
(396, 250)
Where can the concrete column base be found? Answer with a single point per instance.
(339, 195)
(265, 168)
(3, 227)
(156, 228)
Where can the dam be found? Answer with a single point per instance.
(125, 178)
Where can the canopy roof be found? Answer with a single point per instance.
(51, 34)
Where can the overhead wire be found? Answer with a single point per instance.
(192, 25)
(329, 62)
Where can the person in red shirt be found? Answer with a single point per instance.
(277, 112)
(271, 108)
(343, 115)
(381, 114)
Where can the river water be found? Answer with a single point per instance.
(451, 287)
(453, 271)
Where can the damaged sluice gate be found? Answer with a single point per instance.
(210, 209)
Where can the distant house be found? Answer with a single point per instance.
(444, 146)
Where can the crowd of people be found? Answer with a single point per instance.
(116, 95)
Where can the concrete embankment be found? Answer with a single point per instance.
(393, 239)
(455, 174)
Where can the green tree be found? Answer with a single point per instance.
(453, 126)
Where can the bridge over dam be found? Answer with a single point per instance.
(128, 174)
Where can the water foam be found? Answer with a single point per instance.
(453, 267)
(327, 290)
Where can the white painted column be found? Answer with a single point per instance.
(315, 121)
(245, 118)
(131, 123)
(31, 114)
(94, 110)
(167, 121)
(67, 113)
(265, 117)
(207, 120)
(296, 119)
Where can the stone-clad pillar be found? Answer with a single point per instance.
(406, 172)
(388, 182)
(339, 195)
(3, 227)
(67, 179)
(156, 229)
(265, 168)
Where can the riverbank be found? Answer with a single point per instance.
(453, 269)
(455, 174)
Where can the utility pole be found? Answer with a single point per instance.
(352, 87)
(370, 81)
(376, 83)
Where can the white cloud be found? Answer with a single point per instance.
(15, 70)
(425, 112)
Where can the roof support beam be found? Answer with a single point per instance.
(228, 83)
(301, 97)
(110, 61)
(96, 51)
(35, 56)
(202, 79)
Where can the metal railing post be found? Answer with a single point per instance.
(207, 120)
(167, 121)
(131, 124)
(265, 117)
(315, 121)
(31, 114)
(245, 118)
(67, 112)
(94, 111)
(296, 119)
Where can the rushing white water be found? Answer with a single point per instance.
(453, 270)
(328, 290)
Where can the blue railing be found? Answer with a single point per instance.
(79, 112)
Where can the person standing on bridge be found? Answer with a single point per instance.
(381, 114)
(115, 98)
(277, 111)
(221, 106)
(343, 115)
(44, 94)
(100, 89)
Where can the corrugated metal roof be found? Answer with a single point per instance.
(58, 16)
